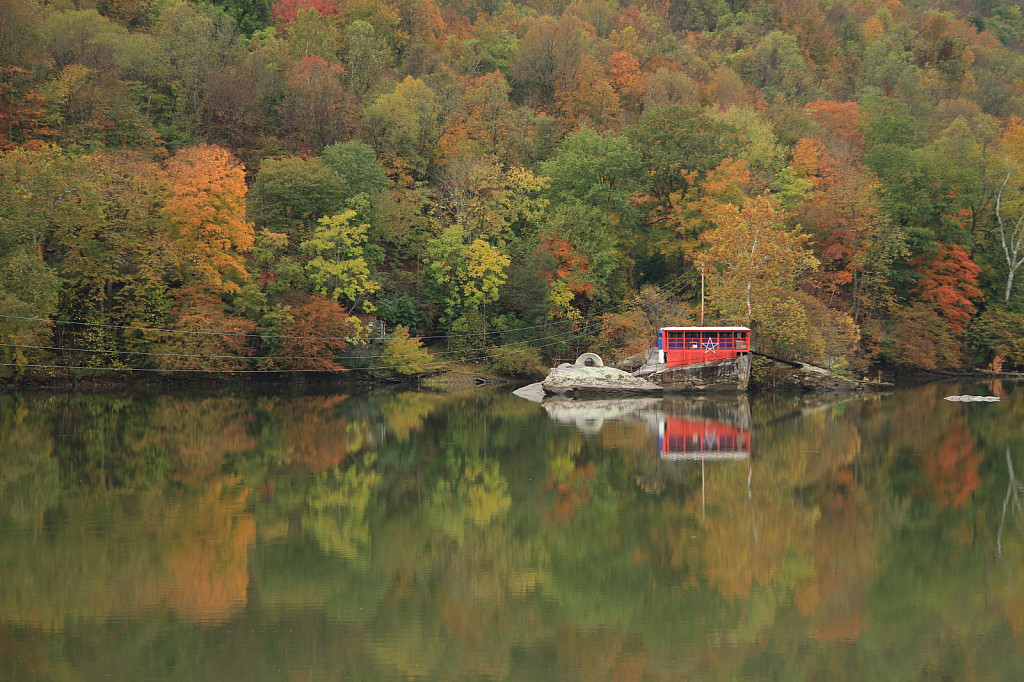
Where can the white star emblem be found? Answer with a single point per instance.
(711, 346)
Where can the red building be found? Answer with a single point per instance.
(691, 345)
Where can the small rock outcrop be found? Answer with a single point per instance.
(573, 380)
(533, 392)
(811, 378)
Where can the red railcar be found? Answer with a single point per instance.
(691, 345)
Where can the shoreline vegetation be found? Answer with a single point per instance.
(460, 377)
(386, 189)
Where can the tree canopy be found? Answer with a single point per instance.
(525, 170)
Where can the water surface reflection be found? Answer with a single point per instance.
(288, 535)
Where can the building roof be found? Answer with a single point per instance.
(705, 329)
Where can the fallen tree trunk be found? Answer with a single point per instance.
(772, 357)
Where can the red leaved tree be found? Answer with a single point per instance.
(571, 265)
(207, 336)
(314, 336)
(22, 109)
(841, 123)
(624, 75)
(949, 284)
(287, 11)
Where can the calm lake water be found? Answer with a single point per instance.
(308, 534)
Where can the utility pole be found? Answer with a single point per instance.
(702, 293)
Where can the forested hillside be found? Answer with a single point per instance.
(195, 186)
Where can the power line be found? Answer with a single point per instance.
(560, 337)
(166, 371)
(564, 336)
(236, 356)
(671, 286)
(503, 350)
(259, 371)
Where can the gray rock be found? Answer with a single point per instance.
(533, 392)
(573, 380)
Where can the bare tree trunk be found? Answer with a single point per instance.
(1013, 243)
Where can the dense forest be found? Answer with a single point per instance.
(240, 185)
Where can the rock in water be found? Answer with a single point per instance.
(973, 398)
(533, 392)
(574, 380)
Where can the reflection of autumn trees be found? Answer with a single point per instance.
(758, 532)
(1009, 584)
(312, 433)
(596, 656)
(635, 441)
(469, 536)
(122, 453)
(29, 475)
(952, 468)
(942, 489)
(764, 543)
(337, 504)
(456, 607)
(476, 494)
(194, 436)
(406, 412)
(122, 555)
(567, 478)
(209, 563)
(845, 559)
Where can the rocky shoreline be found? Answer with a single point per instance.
(590, 381)
(815, 379)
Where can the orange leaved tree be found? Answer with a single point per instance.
(206, 209)
(949, 283)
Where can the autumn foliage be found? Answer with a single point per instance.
(316, 335)
(206, 208)
(287, 11)
(507, 168)
(949, 283)
(404, 354)
(571, 266)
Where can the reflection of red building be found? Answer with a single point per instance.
(690, 345)
(682, 438)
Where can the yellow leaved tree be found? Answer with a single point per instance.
(756, 261)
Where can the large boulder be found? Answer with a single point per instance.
(573, 380)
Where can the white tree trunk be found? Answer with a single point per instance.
(1012, 238)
